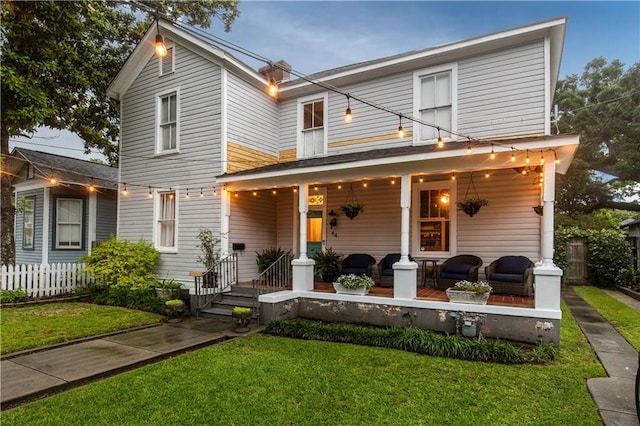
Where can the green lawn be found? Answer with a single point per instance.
(272, 380)
(624, 318)
(39, 325)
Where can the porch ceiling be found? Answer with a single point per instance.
(420, 159)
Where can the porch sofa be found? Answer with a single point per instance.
(457, 268)
(511, 275)
(358, 264)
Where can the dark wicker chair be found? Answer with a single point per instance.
(385, 268)
(457, 268)
(511, 275)
(358, 264)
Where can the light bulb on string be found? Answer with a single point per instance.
(493, 153)
(347, 115)
(160, 48)
(92, 188)
(150, 193)
(513, 154)
(201, 192)
(400, 128)
(440, 141)
(125, 191)
(453, 175)
(527, 160)
(486, 174)
(273, 88)
(541, 157)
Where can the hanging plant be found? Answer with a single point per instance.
(471, 204)
(351, 207)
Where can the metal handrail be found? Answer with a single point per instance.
(278, 276)
(211, 284)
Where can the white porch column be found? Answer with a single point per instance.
(225, 213)
(303, 266)
(405, 272)
(547, 276)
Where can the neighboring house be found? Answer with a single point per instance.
(633, 236)
(64, 206)
(273, 170)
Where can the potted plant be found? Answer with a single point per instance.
(469, 292)
(351, 210)
(471, 205)
(210, 256)
(242, 317)
(353, 284)
(327, 264)
(167, 288)
(174, 309)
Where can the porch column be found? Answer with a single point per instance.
(225, 213)
(405, 272)
(303, 266)
(547, 276)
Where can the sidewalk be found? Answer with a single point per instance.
(32, 375)
(615, 394)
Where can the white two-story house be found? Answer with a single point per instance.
(204, 145)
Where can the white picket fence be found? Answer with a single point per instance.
(44, 280)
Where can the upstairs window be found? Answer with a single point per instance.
(436, 102)
(313, 135)
(68, 223)
(167, 63)
(166, 221)
(28, 215)
(168, 122)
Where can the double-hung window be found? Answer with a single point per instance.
(433, 227)
(313, 134)
(168, 126)
(68, 223)
(28, 215)
(166, 231)
(435, 102)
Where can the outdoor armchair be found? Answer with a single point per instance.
(511, 275)
(457, 268)
(358, 264)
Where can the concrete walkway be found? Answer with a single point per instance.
(30, 375)
(615, 394)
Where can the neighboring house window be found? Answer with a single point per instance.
(166, 226)
(168, 116)
(167, 63)
(313, 135)
(28, 216)
(435, 92)
(433, 230)
(68, 223)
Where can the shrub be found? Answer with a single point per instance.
(629, 278)
(13, 296)
(608, 253)
(268, 256)
(168, 283)
(123, 263)
(415, 340)
(143, 299)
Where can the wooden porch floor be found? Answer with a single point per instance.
(430, 293)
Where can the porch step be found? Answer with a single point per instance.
(238, 296)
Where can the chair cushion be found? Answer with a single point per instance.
(359, 261)
(511, 278)
(457, 268)
(452, 276)
(512, 265)
(389, 260)
(387, 272)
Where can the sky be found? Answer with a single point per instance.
(314, 36)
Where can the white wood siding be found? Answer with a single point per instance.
(195, 167)
(252, 116)
(502, 93)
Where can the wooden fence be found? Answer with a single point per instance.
(44, 280)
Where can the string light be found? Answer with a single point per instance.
(468, 149)
(541, 157)
(201, 192)
(274, 192)
(150, 193)
(421, 179)
(124, 189)
(255, 193)
(91, 187)
(527, 160)
(400, 129)
(215, 192)
(513, 154)
(486, 174)
(453, 175)
(493, 154)
(393, 181)
(555, 155)
(161, 49)
(339, 186)
(53, 181)
(365, 184)
(295, 190)
(440, 141)
(347, 115)
(273, 87)
(186, 195)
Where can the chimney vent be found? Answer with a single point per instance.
(280, 71)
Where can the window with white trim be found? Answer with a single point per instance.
(28, 216)
(167, 62)
(168, 116)
(433, 230)
(435, 101)
(166, 231)
(312, 119)
(68, 223)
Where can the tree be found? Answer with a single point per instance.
(57, 60)
(603, 106)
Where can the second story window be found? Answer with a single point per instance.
(313, 134)
(167, 62)
(168, 122)
(435, 92)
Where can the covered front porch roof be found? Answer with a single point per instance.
(417, 159)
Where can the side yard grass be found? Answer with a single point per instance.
(38, 325)
(624, 318)
(265, 380)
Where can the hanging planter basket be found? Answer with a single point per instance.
(351, 207)
(471, 204)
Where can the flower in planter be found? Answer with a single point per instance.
(355, 281)
(471, 205)
(241, 310)
(480, 287)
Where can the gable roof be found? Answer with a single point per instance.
(65, 169)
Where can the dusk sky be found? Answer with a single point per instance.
(314, 36)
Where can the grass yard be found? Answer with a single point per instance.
(265, 380)
(39, 325)
(624, 318)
